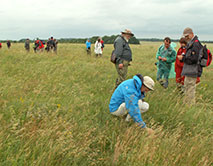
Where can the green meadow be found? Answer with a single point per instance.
(54, 111)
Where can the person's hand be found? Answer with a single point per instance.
(180, 57)
(121, 66)
(160, 58)
(164, 59)
(149, 131)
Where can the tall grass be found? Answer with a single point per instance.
(54, 111)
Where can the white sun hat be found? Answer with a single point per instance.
(148, 82)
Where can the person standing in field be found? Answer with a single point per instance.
(27, 45)
(55, 46)
(179, 65)
(166, 56)
(191, 68)
(51, 43)
(98, 50)
(8, 44)
(48, 45)
(123, 55)
(0, 45)
(127, 99)
(88, 46)
(40, 45)
(102, 45)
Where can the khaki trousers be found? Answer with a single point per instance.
(190, 87)
(122, 73)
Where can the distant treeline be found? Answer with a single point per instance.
(106, 39)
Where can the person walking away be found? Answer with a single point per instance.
(98, 50)
(127, 99)
(27, 45)
(88, 47)
(102, 45)
(191, 68)
(123, 55)
(55, 46)
(166, 56)
(36, 45)
(8, 44)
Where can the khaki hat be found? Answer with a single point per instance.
(148, 82)
(187, 31)
(128, 32)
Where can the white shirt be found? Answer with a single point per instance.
(98, 49)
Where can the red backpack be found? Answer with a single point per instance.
(205, 56)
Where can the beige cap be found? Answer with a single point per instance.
(148, 82)
(128, 32)
(187, 31)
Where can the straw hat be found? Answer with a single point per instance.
(128, 32)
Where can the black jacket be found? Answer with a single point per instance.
(191, 66)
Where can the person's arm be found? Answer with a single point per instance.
(131, 102)
(158, 55)
(96, 43)
(171, 58)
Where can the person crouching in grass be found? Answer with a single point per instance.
(127, 99)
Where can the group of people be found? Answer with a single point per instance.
(99, 46)
(51, 45)
(8, 44)
(39, 45)
(127, 98)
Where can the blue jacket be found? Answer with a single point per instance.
(88, 44)
(129, 92)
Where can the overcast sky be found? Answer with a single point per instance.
(85, 18)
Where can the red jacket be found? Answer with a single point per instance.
(40, 43)
(178, 63)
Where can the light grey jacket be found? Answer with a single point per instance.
(122, 50)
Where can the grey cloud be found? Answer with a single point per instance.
(69, 18)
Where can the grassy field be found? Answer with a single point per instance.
(54, 111)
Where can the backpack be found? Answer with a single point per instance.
(205, 56)
(113, 57)
(102, 45)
